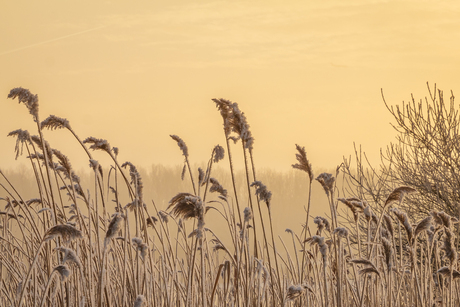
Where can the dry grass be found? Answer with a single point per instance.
(68, 247)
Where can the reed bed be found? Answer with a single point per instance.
(72, 247)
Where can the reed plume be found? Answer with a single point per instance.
(140, 301)
(323, 248)
(22, 137)
(371, 268)
(181, 144)
(217, 187)
(140, 246)
(186, 205)
(136, 179)
(240, 126)
(29, 99)
(63, 271)
(403, 219)
(322, 224)
(98, 144)
(114, 226)
(327, 182)
(184, 149)
(70, 256)
(445, 271)
(66, 232)
(442, 218)
(247, 214)
(53, 122)
(304, 164)
(219, 153)
(354, 204)
(225, 108)
(163, 216)
(449, 246)
(261, 191)
(201, 177)
(44, 147)
(296, 291)
(388, 224)
(398, 194)
(423, 225)
(64, 163)
(388, 251)
(151, 221)
(341, 232)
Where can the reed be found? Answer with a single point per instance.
(84, 250)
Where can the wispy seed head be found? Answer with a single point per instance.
(219, 153)
(140, 301)
(341, 232)
(151, 221)
(398, 194)
(327, 182)
(304, 164)
(114, 227)
(163, 216)
(70, 256)
(449, 246)
(63, 271)
(98, 144)
(261, 190)
(322, 223)
(66, 232)
(53, 122)
(201, 179)
(22, 136)
(294, 292)
(225, 108)
(216, 187)
(181, 144)
(388, 250)
(402, 217)
(186, 205)
(247, 214)
(140, 246)
(29, 99)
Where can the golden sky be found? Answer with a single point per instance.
(306, 72)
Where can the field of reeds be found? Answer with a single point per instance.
(75, 245)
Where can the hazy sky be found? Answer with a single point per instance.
(306, 72)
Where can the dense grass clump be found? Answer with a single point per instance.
(70, 247)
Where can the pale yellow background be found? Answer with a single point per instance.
(306, 72)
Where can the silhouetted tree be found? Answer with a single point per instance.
(425, 156)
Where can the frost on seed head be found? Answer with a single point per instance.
(219, 153)
(53, 122)
(304, 164)
(327, 182)
(216, 187)
(262, 191)
(140, 301)
(247, 214)
(63, 271)
(181, 144)
(66, 232)
(29, 99)
(114, 227)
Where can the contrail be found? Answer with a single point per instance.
(50, 40)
